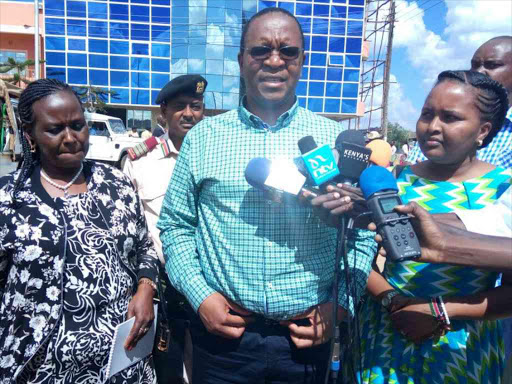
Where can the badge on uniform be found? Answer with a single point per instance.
(200, 87)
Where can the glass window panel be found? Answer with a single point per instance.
(77, 76)
(336, 44)
(316, 89)
(231, 53)
(322, 1)
(214, 83)
(230, 100)
(139, 13)
(140, 97)
(197, 52)
(76, 27)
(351, 75)
(231, 84)
(317, 73)
(214, 51)
(119, 79)
(353, 61)
(118, 12)
(196, 66)
(197, 12)
(232, 35)
(119, 62)
(158, 80)
(266, 4)
(334, 74)
(332, 106)
(97, 77)
(180, 12)
(179, 51)
(161, 2)
(154, 95)
(76, 8)
(354, 45)
(99, 46)
(350, 90)
(179, 66)
(286, 5)
(161, 15)
(348, 106)
(339, 11)
(160, 33)
(320, 25)
(215, 67)
(198, 34)
(140, 1)
(139, 31)
(98, 29)
(231, 68)
(140, 49)
(119, 31)
(121, 96)
(119, 47)
(76, 45)
(336, 60)
(307, 42)
(58, 73)
(356, 2)
(55, 43)
(55, 58)
(54, 7)
(302, 102)
(355, 12)
(54, 26)
(98, 61)
(303, 9)
(77, 60)
(160, 65)
(305, 73)
(140, 64)
(319, 43)
(338, 27)
(321, 10)
(302, 87)
(355, 28)
(305, 23)
(97, 10)
(333, 89)
(318, 59)
(315, 105)
(215, 14)
(140, 80)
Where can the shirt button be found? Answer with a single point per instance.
(270, 285)
(268, 243)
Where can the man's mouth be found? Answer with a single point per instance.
(273, 79)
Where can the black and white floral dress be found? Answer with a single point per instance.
(87, 244)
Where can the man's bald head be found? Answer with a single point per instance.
(494, 58)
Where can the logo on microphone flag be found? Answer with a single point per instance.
(321, 164)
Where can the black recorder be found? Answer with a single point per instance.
(380, 191)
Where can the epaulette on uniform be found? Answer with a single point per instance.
(141, 149)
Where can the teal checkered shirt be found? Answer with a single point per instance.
(221, 235)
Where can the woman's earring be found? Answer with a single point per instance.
(479, 143)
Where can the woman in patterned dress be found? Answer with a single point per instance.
(75, 258)
(401, 340)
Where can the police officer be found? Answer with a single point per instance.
(150, 166)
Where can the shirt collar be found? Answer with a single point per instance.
(254, 121)
(509, 114)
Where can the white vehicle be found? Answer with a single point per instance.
(108, 139)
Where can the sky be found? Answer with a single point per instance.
(431, 36)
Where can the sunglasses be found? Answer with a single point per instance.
(262, 52)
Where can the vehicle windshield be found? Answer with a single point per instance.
(117, 126)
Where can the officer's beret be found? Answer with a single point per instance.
(193, 85)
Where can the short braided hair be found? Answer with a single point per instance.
(35, 91)
(491, 97)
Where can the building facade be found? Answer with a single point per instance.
(133, 47)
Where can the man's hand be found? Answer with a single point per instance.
(430, 234)
(141, 306)
(214, 313)
(320, 329)
(415, 321)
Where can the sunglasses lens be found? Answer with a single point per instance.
(260, 52)
(289, 52)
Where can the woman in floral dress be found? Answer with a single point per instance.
(75, 258)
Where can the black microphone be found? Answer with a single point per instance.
(353, 156)
(381, 193)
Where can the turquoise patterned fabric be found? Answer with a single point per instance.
(473, 351)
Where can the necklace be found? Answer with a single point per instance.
(63, 187)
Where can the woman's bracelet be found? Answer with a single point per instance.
(149, 282)
(438, 310)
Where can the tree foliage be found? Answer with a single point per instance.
(398, 134)
(19, 68)
(94, 98)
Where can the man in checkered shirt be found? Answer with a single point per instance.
(258, 274)
(493, 58)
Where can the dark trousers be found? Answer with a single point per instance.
(264, 354)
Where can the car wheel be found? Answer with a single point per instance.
(120, 163)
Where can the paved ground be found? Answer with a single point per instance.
(6, 165)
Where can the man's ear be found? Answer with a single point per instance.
(163, 109)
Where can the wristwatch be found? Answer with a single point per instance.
(388, 298)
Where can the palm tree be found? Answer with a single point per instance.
(19, 68)
(94, 97)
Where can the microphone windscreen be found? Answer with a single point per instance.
(306, 144)
(381, 152)
(257, 171)
(352, 136)
(375, 179)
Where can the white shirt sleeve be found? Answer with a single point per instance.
(494, 220)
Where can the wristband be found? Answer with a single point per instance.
(149, 282)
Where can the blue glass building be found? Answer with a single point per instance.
(133, 47)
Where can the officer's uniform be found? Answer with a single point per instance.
(150, 165)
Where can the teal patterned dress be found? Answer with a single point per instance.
(473, 351)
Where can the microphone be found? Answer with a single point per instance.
(381, 152)
(353, 156)
(381, 193)
(278, 177)
(320, 162)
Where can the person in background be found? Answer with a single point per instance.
(146, 134)
(393, 148)
(150, 166)
(494, 59)
(373, 135)
(133, 132)
(258, 274)
(75, 256)
(160, 128)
